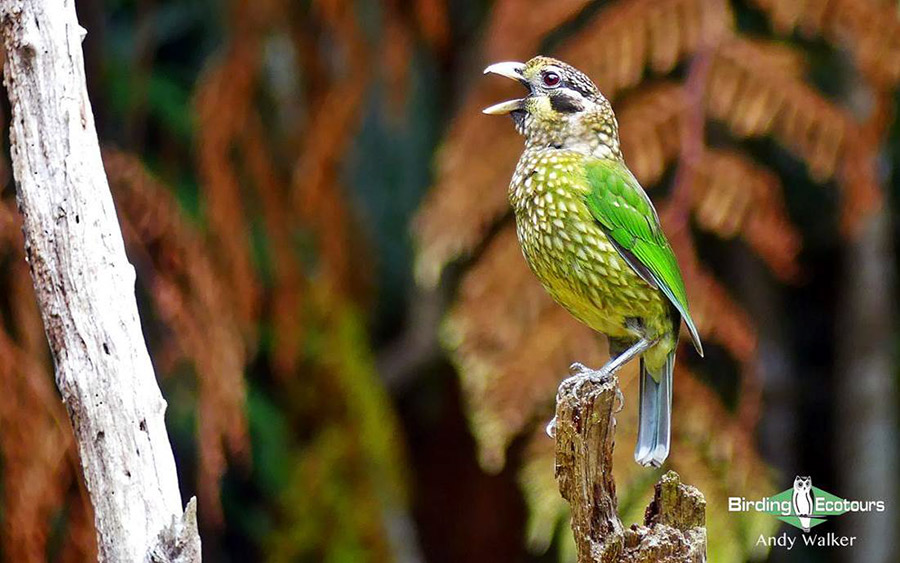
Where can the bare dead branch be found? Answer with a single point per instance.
(85, 289)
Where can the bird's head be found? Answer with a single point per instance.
(563, 108)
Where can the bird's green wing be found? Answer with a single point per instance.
(620, 206)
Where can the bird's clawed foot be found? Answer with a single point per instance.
(580, 374)
(551, 428)
(620, 400)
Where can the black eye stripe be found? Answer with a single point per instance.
(565, 104)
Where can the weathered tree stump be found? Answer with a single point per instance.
(674, 522)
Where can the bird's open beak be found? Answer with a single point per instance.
(513, 71)
(509, 69)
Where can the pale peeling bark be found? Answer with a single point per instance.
(674, 523)
(85, 289)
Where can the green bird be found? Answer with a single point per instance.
(591, 235)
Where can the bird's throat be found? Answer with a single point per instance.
(518, 117)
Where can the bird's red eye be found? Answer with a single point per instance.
(551, 79)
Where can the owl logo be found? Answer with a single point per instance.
(803, 500)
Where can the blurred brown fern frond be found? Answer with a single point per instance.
(869, 30)
(626, 39)
(274, 274)
(277, 169)
(222, 102)
(734, 196)
(174, 266)
(41, 472)
(756, 95)
(288, 177)
(511, 344)
(189, 299)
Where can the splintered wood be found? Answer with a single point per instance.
(674, 523)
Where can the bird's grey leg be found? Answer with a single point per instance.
(581, 374)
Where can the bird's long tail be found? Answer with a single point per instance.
(654, 432)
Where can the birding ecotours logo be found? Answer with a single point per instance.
(804, 506)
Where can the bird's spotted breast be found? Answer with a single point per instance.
(570, 253)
